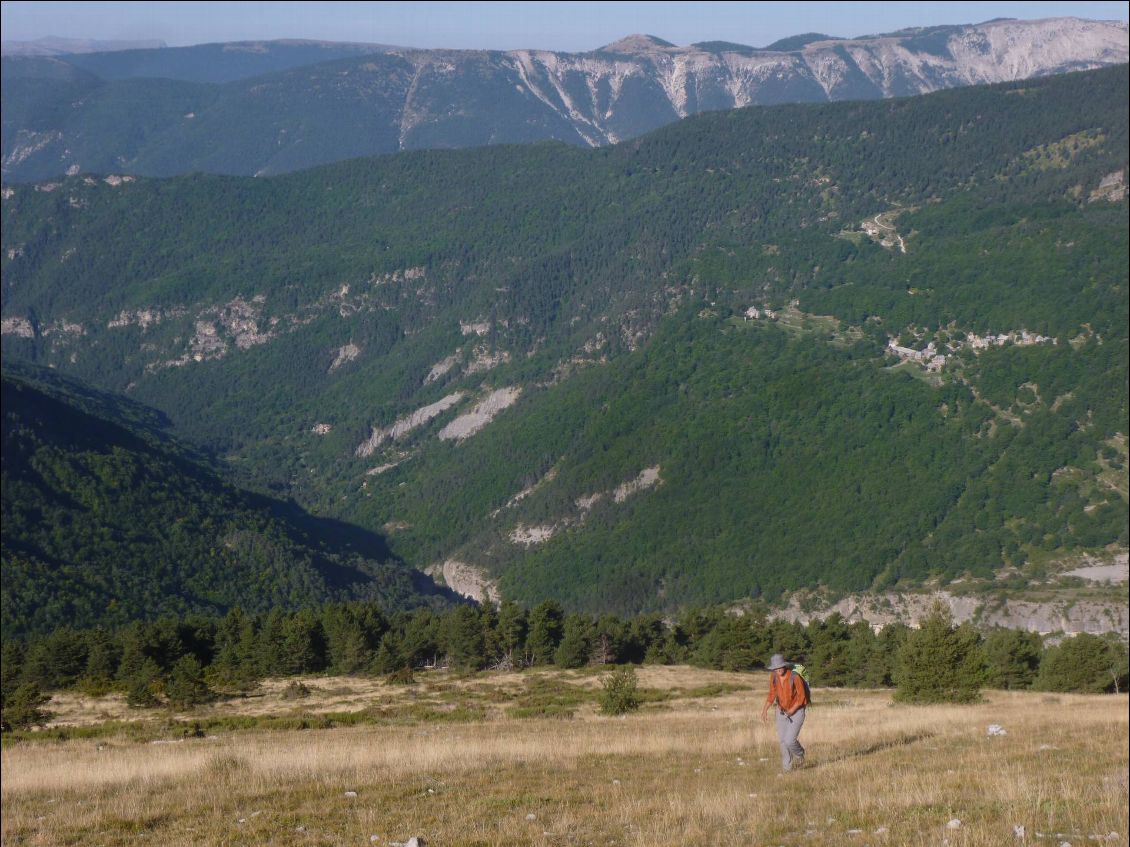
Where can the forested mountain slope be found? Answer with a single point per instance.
(270, 107)
(843, 344)
(106, 519)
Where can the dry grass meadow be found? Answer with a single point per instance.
(525, 759)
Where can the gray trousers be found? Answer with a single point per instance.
(787, 731)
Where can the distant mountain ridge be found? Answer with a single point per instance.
(261, 108)
(54, 46)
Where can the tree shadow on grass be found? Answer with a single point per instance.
(878, 747)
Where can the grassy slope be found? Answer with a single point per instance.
(694, 766)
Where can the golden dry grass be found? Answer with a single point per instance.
(695, 769)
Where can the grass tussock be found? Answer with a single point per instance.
(504, 759)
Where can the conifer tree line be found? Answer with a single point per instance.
(189, 660)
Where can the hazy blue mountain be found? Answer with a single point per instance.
(53, 46)
(269, 107)
(218, 63)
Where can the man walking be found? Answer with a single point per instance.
(788, 691)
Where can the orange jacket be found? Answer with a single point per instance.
(788, 691)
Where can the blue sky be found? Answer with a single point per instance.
(503, 26)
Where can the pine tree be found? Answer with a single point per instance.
(102, 657)
(512, 628)
(186, 686)
(22, 709)
(619, 692)
(389, 658)
(420, 643)
(576, 643)
(545, 632)
(234, 669)
(833, 662)
(142, 686)
(940, 663)
(11, 668)
(1086, 664)
(463, 639)
(303, 649)
(1013, 658)
(488, 625)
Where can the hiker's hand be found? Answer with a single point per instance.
(765, 715)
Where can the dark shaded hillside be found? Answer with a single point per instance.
(103, 523)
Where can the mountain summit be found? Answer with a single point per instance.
(638, 44)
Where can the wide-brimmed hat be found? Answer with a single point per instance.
(778, 661)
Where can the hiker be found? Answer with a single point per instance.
(788, 691)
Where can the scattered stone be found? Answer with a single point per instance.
(531, 817)
(431, 791)
(300, 829)
(954, 824)
(615, 782)
(996, 729)
(882, 831)
(855, 832)
(350, 793)
(753, 795)
(373, 839)
(1018, 830)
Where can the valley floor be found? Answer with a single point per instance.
(517, 759)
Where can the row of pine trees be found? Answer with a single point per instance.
(184, 661)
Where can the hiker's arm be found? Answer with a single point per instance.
(768, 700)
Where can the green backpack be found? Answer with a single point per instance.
(802, 672)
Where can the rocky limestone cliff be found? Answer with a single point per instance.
(1067, 613)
